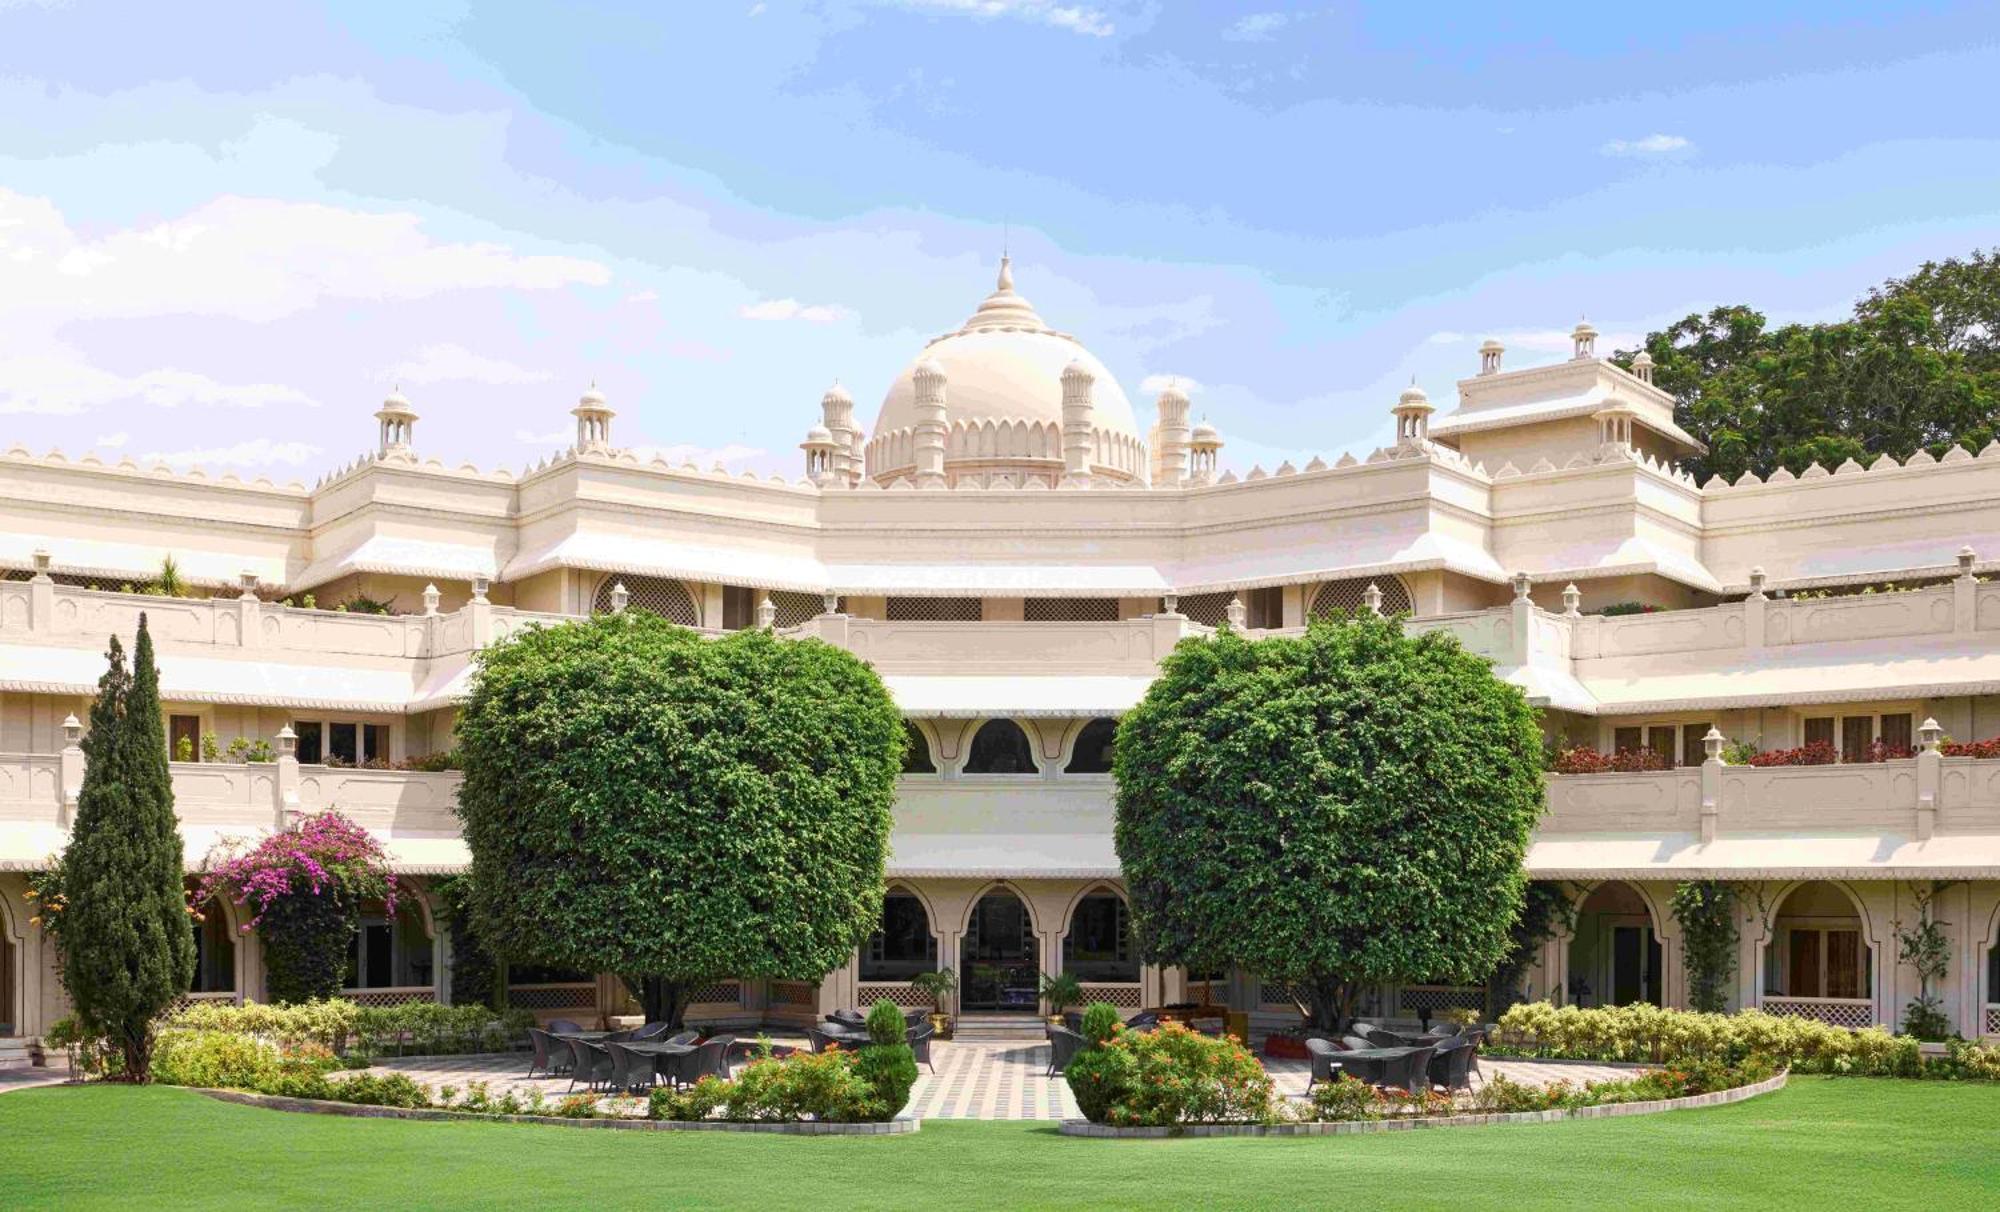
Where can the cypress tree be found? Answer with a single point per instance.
(128, 949)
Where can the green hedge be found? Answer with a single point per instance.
(1648, 1033)
(417, 1028)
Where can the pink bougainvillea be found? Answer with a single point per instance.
(325, 854)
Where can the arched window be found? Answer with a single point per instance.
(666, 598)
(903, 944)
(1000, 747)
(916, 751)
(1092, 754)
(1339, 597)
(1099, 947)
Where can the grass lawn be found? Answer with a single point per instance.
(1834, 1144)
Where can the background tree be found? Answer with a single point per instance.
(1335, 810)
(1916, 367)
(127, 941)
(676, 810)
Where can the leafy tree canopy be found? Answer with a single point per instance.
(674, 809)
(1334, 810)
(1917, 366)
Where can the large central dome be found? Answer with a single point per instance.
(1003, 401)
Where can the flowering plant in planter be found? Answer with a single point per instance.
(1818, 753)
(305, 887)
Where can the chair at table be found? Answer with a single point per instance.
(919, 1039)
(563, 1026)
(1145, 1020)
(551, 1055)
(848, 1018)
(1450, 1064)
(648, 1034)
(1409, 1072)
(1383, 1038)
(709, 1060)
(1354, 1043)
(819, 1040)
(1445, 1030)
(1326, 1064)
(1064, 1044)
(630, 1071)
(593, 1064)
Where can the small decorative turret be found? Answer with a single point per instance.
(1584, 338)
(593, 422)
(398, 425)
(1203, 447)
(1642, 367)
(1489, 356)
(837, 414)
(931, 425)
(1413, 419)
(1077, 414)
(822, 453)
(1614, 429)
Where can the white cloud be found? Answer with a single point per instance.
(58, 380)
(254, 259)
(447, 362)
(1076, 18)
(1153, 385)
(113, 441)
(255, 452)
(1651, 145)
(1257, 27)
(792, 309)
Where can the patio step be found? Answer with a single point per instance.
(17, 1053)
(999, 1029)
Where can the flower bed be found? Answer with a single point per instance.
(1647, 1033)
(1165, 1077)
(343, 1027)
(834, 1087)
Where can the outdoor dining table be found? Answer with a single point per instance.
(1365, 1063)
(659, 1052)
(592, 1036)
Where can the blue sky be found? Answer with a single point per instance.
(227, 230)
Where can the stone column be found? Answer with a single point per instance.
(1077, 413)
(930, 426)
(72, 769)
(287, 806)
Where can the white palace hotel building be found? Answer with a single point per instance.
(1015, 555)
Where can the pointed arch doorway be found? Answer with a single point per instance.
(1001, 968)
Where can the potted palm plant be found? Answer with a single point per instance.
(1061, 991)
(938, 986)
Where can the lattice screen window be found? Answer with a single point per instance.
(1070, 610)
(794, 609)
(936, 610)
(1208, 609)
(1335, 597)
(668, 599)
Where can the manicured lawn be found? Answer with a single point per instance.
(1834, 1144)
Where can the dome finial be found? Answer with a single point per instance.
(1006, 273)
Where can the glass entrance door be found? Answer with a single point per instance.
(1000, 968)
(1635, 966)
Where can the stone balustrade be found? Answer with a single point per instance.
(1917, 797)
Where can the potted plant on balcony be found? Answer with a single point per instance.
(938, 986)
(1061, 991)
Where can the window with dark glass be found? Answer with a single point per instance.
(184, 738)
(344, 742)
(904, 945)
(916, 751)
(1896, 732)
(375, 743)
(1819, 730)
(739, 607)
(312, 741)
(1092, 754)
(1000, 747)
(1099, 946)
(1693, 752)
(1624, 740)
(1857, 732)
(1265, 607)
(1661, 739)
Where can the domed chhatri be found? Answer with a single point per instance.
(1002, 378)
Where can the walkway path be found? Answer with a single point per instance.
(972, 1081)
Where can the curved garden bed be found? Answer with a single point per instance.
(899, 1126)
(1078, 1127)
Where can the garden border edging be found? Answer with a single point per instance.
(902, 1125)
(1718, 1098)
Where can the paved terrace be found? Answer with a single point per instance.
(973, 1080)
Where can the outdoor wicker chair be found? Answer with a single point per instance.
(709, 1060)
(851, 1018)
(1145, 1020)
(551, 1055)
(919, 1039)
(1409, 1072)
(1064, 1044)
(563, 1026)
(650, 1033)
(593, 1064)
(1479, 1036)
(1382, 1038)
(819, 1040)
(1325, 1059)
(1354, 1043)
(630, 1071)
(1446, 1030)
(682, 1037)
(1450, 1063)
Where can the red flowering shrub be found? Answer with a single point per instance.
(1819, 753)
(1879, 752)
(1584, 760)
(1988, 748)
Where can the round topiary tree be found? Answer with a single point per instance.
(674, 809)
(1343, 808)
